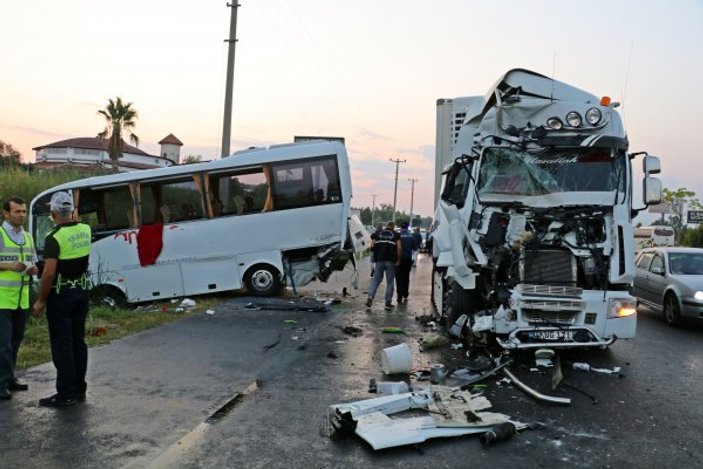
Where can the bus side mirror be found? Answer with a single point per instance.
(652, 190)
(651, 165)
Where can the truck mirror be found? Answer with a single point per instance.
(651, 165)
(652, 190)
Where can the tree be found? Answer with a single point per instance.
(693, 237)
(192, 159)
(681, 201)
(120, 117)
(9, 154)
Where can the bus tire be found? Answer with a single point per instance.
(262, 280)
(108, 295)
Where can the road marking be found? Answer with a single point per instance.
(179, 449)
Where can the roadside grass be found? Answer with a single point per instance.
(105, 324)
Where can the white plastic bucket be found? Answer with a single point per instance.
(397, 359)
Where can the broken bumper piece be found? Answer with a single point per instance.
(553, 337)
(451, 412)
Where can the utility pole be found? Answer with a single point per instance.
(227, 124)
(412, 193)
(395, 191)
(373, 211)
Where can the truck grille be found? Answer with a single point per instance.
(548, 266)
(550, 317)
(549, 290)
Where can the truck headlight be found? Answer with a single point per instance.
(573, 119)
(593, 116)
(622, 307)
(698, 295)
(554, 123)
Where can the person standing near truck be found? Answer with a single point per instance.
(386, 253)
(17, 258)
(408, 245)
(65, 290)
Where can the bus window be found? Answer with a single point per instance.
(106, 210)
(238, 192)
(171, 201)
(306, 183)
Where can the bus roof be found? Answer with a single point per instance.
(243, 158)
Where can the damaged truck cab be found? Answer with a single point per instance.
(533, 241)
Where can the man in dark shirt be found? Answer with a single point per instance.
(65, 291)
(408, 244)
(386, 253)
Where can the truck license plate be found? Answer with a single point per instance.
(552, 335)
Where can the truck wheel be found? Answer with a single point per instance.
(458, 302)
(262, 280)
(108, 295)
(672, 310)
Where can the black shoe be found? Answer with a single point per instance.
(389, 306)
(368, 303)
(80, 397)
(15, 385)
(5, 395)
(57, 401)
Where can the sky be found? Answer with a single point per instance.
(368, 71)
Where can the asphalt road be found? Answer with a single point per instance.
(181, 395)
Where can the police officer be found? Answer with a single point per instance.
(65, 291)
(16, 268)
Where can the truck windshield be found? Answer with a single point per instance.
(515, 172)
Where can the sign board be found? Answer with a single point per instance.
(664, 208)
(695, 216)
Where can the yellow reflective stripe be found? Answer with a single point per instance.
(11, 249)
(9, 258)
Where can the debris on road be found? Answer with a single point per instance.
(353, 331)
(587, 367)
(501, 432)
(187, 303)
(396, 359)
(433, 341)
(450, 412)
(534, 393)
(210, 312)
(393, 330)
(282, 304)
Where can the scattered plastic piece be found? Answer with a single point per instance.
(179, 310)
(187, 303)
(210, 312)
(393, 330)
(290, 321)
(456, 346)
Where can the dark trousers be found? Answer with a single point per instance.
(66, 314)
(402, 276)
(12, 324)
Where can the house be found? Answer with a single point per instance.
(86, 152)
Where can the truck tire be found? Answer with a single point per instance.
(262, 280)
(458, 302)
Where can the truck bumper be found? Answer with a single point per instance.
(529, 338)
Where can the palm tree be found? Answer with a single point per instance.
(120, 117)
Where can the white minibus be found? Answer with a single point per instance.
(261, 218)
(650, 236)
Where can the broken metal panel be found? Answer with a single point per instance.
(452, 412)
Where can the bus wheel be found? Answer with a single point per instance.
(262, 280)
(107, 295)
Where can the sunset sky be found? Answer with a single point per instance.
(369, 71)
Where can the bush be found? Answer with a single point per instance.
(693, 237)
(27, 181)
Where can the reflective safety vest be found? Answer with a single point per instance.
(14, 287)
(74, 242)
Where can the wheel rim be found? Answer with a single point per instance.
(262, 280)
(669, 311)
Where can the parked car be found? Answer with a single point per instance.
(670, 279)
